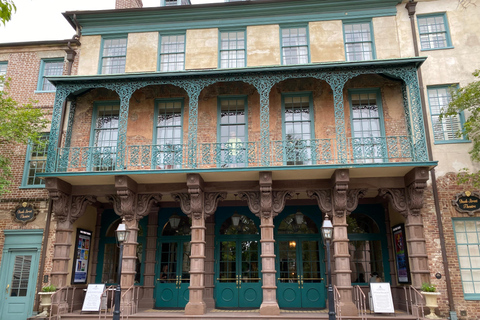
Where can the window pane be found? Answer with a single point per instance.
(358, 42)
(467, 230)
(433, 32)
(294, 45)
(36, 161)
(114, 55)
(232, 49)
(172, 53)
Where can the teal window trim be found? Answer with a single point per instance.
(163, 3)
(160, 53)
(466, 245)
(308, 94)
(40, 165)
(102, 46)
(3, 73)
(282, 46)
(427, 34)
(220, 50)
(383, 157)
(156, 126)
(371, 41)
(435, 122)
(41, 75)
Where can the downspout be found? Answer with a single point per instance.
(453, 314)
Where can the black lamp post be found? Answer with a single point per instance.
(122, 234)
(327, 233)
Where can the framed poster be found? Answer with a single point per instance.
(83, 245)
(401, 254)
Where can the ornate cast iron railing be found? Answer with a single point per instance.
(236, 155)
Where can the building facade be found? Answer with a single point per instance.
(224, 134)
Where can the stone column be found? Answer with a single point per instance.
(198, 206)
(267, 204)
(408, 201)
(150, 253)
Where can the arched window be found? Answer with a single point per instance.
(297, 224)
(245, 225)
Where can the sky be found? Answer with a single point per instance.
(37, 20)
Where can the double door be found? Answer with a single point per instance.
(300, 283)
(238, 278)
(173, 274)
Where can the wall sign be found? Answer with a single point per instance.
(401, 254)
(93, 299)
(382, 300)
(25, 212)
(83, 244)
(467, 202)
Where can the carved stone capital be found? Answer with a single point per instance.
(352, 198)
(397, 198)
(79, 205)
(211, 201)
(130, 205)
(145, 203)
(340, 180)
(324, 199)
(279, 200)
(415, 196)
(184, 200)
(60, 205)
(253, 201)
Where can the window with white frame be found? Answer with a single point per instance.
(168, 134)
(232, 133)
(232, 49)
(114, 55)
(294, 43)
(49, 67)
(3, 72)
(35, 162)
(172, 52)
(434, 32)
(358, 41)
(467, 239)
(105, 135)
(444, 130)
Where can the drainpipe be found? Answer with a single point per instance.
(453, 314)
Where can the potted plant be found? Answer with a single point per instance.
(429, 291)
(46, 298)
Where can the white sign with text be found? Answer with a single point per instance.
(381, 297)
(93, 297)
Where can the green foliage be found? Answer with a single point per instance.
(19, 124)
(467, 99)
(428, 287)
(50, 288)
(6, 9)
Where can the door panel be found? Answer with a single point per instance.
(288, 284)
(227, 281)
(249, 291)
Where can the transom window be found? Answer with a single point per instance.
(294, 45)
(467, 238)
(233, 130)
(245, 226)
(433, 30)
(168, 134)
(172, 52)
(232, 49)
(35, 162)
(105, 136)
(368, 143)
(358, 41)
(3, 72)
(114, 55)
(444, 130)
(49, 68)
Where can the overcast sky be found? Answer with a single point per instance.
(37, 20)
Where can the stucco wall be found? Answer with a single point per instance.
(142, 52)
(263, 45)
(386, 38)
(89, 55)
(326, 41)
(201, 49)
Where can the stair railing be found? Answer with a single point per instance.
(337, 300)
(416, 301)
(360, 302)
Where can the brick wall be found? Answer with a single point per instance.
(126, 4)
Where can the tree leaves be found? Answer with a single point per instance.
(6, 9)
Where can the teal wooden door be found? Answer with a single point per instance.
(238, 281)
(173, 276)
(21, 274)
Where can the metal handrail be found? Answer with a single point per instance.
(108, 295)
(69, 306)
(360, 301)
(337, 300)
(133, 303)
(416, 301)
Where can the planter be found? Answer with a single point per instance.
(431, 302)
(45, 302)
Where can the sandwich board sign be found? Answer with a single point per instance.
(93, 297)
(381, 297)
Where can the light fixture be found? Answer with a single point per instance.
(236, 219)
(122, 232)
(292, 244)
(327, 229)
(299, 217)
(327, 233)
(174, 221)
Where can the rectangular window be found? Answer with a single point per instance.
(366, 257)
(368, 141)
(168, 134)
(172, 52)
(35, 162)
(297, 128)
(446, 129)
(294, 43)
(232, 49)
(105, 135)
(3, 72)
(467, 239)
(232, 133)
(433, 31)
(114, 55)
(358, 41)
(50, 67)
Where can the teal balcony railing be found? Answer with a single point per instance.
(235, 155)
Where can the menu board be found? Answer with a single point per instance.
(83, 245)
(381, 297)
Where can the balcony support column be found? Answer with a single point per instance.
(61, 95)
(267, 204)
(125, 93)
